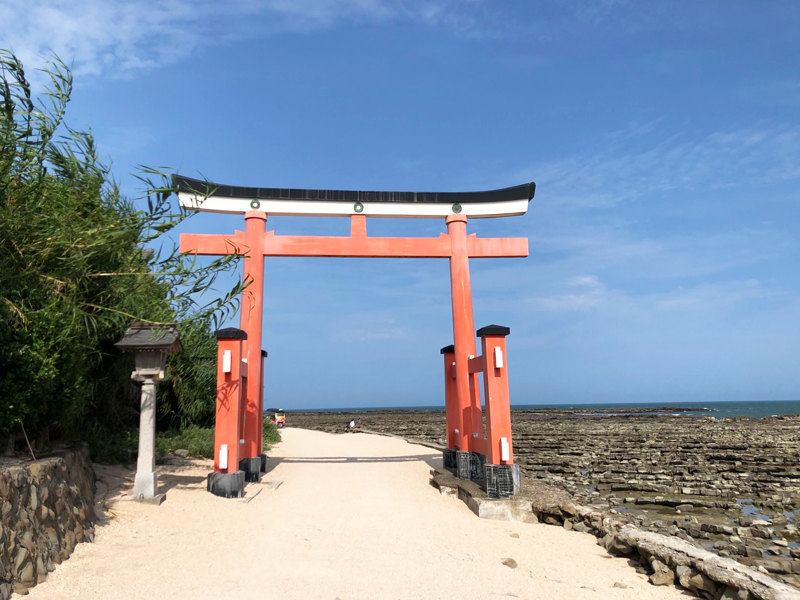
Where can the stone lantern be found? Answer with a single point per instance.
(151, 344)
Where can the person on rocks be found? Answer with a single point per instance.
(358, 423)
(352, 425)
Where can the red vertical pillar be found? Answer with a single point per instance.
(227, 427)
(252, 311)
(463, 328)
(450, 397)
(496, 398)
(261, 407)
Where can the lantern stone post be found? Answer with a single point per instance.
(151, 345)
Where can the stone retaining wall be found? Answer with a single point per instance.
(46, 508)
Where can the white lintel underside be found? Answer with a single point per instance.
(322, 208)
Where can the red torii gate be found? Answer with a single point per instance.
(465, 441)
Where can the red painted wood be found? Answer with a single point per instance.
(463, 331)
(213, 244)
(358, 226)
(496, 400)
(476, 364)
(356, 246)
(461, 382)
(252, 314)
(451, 400)
(480, 445)
(227, 424)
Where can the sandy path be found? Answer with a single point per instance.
(355, 517)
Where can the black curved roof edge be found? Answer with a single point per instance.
(208, 189)
(448, 349)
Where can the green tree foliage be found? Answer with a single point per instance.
(188, 397)
(122, 447)
(79, 262)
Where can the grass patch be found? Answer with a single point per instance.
(272, 435)
(199, 441)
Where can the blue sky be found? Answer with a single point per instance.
(664, 139)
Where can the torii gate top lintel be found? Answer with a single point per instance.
(212, 197)
(258, 203)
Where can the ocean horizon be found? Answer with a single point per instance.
(719, 409)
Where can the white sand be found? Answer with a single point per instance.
(355, 517)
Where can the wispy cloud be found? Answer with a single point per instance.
(585, 292)
(120, 38)
(592, 295)
(773, 93)
(645, 160)
(595, 11)
(369, 328)
(601, 247)
(713, 297)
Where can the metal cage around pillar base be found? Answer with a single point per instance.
(449, 460)
(251, 468)
(462, 465)
(499, 481)
(226, 485)
(476, 463)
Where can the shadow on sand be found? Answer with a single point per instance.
(434, 461)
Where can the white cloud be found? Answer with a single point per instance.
(590, 294)
(644, 160)
(591, 281)
(369, 328)
(706, 298)
(602, 247)
(773, 93)
(121, 38)
(712, 297)
(596, 11)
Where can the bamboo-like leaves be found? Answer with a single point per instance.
(79, 261)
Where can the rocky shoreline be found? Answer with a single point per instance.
(729, 486)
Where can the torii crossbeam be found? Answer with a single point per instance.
(465, 418)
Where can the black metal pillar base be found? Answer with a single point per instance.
(263, 458)
(449, 459)
(227, 485)
(476, 463)
(499, 481)
(251, 468)
(462, 464)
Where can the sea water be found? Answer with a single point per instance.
(720, 410)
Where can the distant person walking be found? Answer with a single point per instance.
(352, 425)
(358, 423)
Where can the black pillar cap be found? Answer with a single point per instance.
(231, 333)
(493, 330)
(448, 349)
(263, 354)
